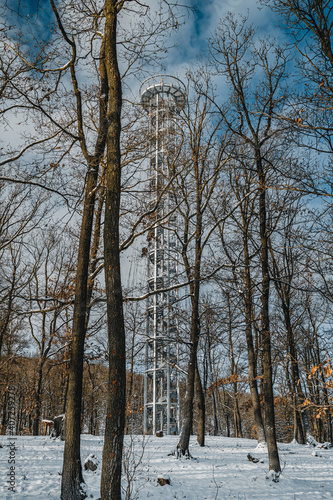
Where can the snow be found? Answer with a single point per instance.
(220, 470)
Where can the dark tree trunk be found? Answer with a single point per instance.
(184, 437)
(252, 359)
(216, 421)
(65, 394)
(234, 374)
(323, 379)
(201, 407)
(30, 422)
(115, 417)
(296, 382)
(298, 434)
(226, 402)
(38, 401)
(4, 415)
(300, 413)
(237, 415)
(72, 470)
(95, 244)
(7, 315)
(185, 433)
(273, 455)
(92, 409)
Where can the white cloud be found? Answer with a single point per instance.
(191, 37)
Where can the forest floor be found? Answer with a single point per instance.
(220, 470)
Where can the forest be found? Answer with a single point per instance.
(249, 174)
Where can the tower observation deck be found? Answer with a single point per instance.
(163, 97)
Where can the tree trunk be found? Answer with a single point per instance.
(38, 394)
(184, 437)
(237, 416)
(300, 413)
(295, 376)
(234, 375)
(95, 243)
(298, 429)
(252, 360)
(115, 418)
(216, 422)
(201, 407)
(226, 403)
(7, 315)
(4, 415)
(193, 274)
(72, 470)
(65, 394)
(323, 380)
(273, 455)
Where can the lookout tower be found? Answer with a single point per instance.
(163, 97)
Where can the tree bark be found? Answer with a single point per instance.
(226, 403)
(234, 374)
(273, 455)
(252, 361)
(300, 414)
(95, 243)
(115, 418)
(5, 321)
(4, 418)
(72, 470)
(216, 422)
(201, 407)
(296, 381)
(38, 400)
(184, 438)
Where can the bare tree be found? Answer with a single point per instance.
(116, 402)
(49, 294)
(250, 117)
(237, 235)
(86, 35)
(198, 171)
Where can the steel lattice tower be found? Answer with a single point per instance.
(163, 97)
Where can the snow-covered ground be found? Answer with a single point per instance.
(220, 470)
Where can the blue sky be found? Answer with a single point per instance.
(198, 28)
(31, 18)
(192, 35)
(190, 39)
(39, 10)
